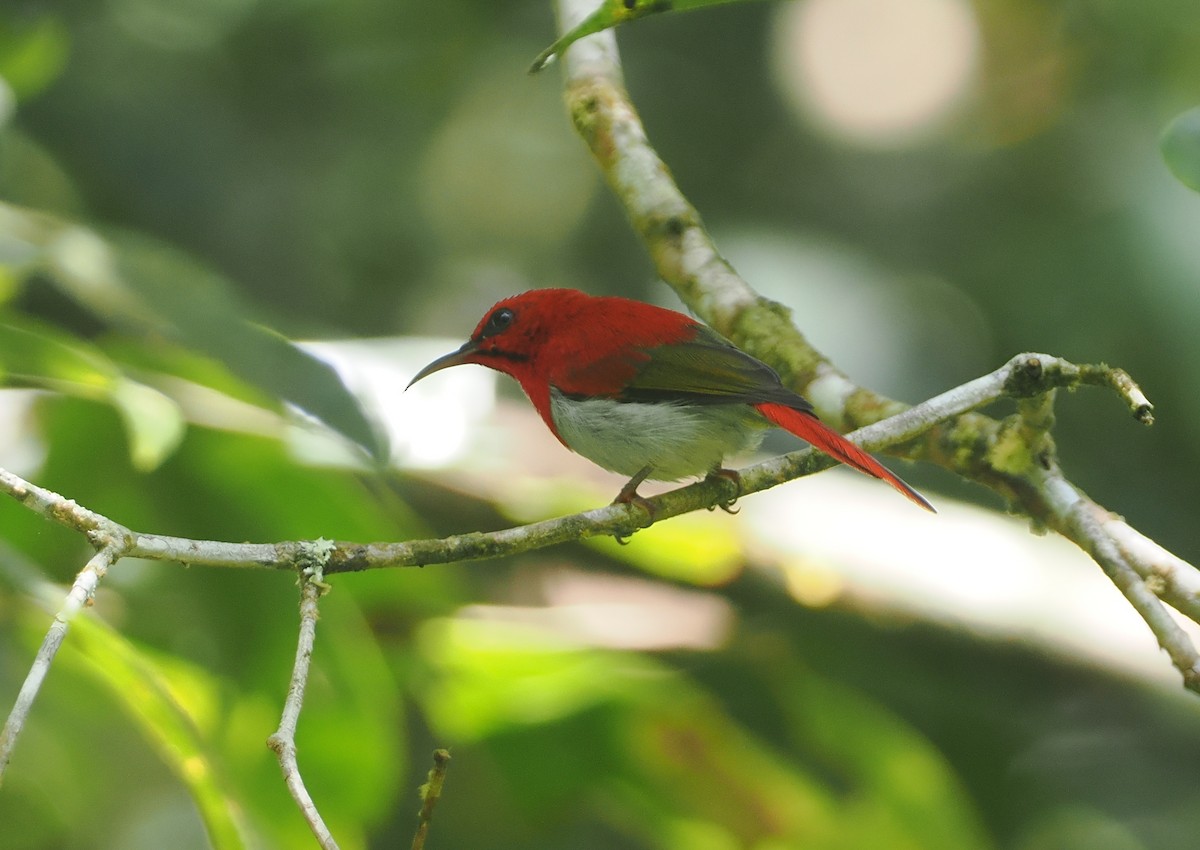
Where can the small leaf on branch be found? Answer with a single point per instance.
(613, 12)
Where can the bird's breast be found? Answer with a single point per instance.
(677, 439)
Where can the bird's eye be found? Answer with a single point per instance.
(630, 4)
(498, 321)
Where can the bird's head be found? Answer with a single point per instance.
(513, 335)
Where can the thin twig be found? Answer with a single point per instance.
(431, 792)
(62, 510)
(80, 596)
(283, 741)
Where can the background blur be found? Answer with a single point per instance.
(933, 185)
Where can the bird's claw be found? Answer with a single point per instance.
(629, 496)
(640, 501)
(728, 475)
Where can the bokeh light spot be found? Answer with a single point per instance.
(877, 72)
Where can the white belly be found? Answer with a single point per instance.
(677, 440)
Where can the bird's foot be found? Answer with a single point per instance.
(728, 475)
(629, 496)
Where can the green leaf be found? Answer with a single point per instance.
(1180, 146)
(903, 787)
(148, 286)
(611, 13)
(161, 697)
(36, 354)
(167, 698)
(167, 358)
(32, 354)
(32, 53)
(203, 312)
(495, 675)
(819, 766)
(154, 422)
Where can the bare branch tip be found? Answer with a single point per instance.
(430, 793)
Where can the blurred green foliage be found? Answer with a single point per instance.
(351, 169)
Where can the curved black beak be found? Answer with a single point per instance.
(454, 358)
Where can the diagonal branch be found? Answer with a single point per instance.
(79, 597)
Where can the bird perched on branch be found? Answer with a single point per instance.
(644, 391)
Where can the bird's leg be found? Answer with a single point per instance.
(629, 492)
(629, 496)
(729, 475)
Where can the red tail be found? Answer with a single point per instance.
(808, 427)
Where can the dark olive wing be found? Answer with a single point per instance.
(708, 369)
